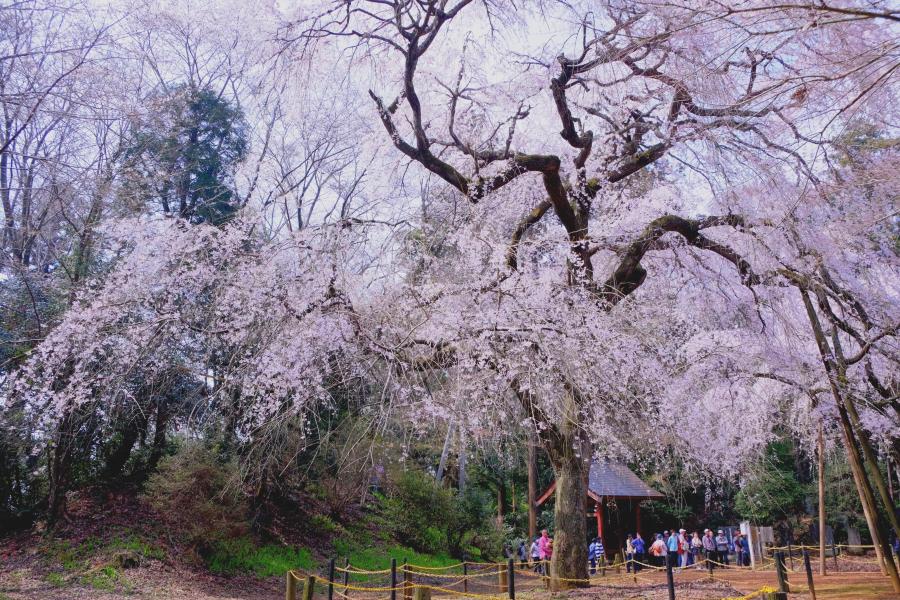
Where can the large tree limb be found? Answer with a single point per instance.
(630, 274)
(536, 214)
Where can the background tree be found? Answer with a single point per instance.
(182, 156)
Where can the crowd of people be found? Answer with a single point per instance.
(679, 549)
(676, 548)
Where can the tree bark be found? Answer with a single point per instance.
(568, 566)
(565, 445)
(462, 460)
(820, 447)
(60, 468)
(445, 452)
(159, 434)
(863, 486)
(532, 486)
(863, 436)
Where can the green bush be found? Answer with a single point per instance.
(233, 557)
(375, 558)
(435, 520)
(199, 495)
(323, 524)
(771, 493)
(104, 579)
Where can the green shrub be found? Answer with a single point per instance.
(104, 579)
(436, 520)
(771, 492)
(374, 558)
(134, 543)
(233, 557)
(323, 524)
(199, 495)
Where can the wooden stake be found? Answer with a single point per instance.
(291, 589)
(781, 572)
(670, 579)
(331, 579)
(809, 575)
(393, 579)
(308, 587)
(346, 574)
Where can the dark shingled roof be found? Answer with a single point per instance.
(610, 479)
(615, 479)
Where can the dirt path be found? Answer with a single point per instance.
(158, 581)
(835, 586)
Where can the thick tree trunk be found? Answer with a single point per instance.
(820, 451)
(116, 460)
(568, 567)
(462, 460)
(564, 443)
(863, 436)
(445, 452)
(860, 478)
(532, 486)
(159, 434)
(60, 469)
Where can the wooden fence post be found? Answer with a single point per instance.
(291, 590)
(780, 569)
(407, 581)
(501, 572)
(670, 579)
(465, 577)
(834, 554)
(346, 574)
(393, 579)
(331, 579)
(422, 593)
(602, 565)
(809, 574)
(308, 587)
(511, 575)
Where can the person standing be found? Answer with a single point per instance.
(684, 550)
(709, 547)
(523, 555)
(741, 550)
(639, 550)
(658, 551)
(593, 555)
(722, 547)
(629, 553)
(546, 547)
(696, 549)
(672, 547)
(536, 554)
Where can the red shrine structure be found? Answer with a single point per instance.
(614, 494)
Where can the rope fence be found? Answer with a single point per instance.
(501, 581)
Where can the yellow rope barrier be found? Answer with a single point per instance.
(356, 571)
(446, 568)
(750, 596)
